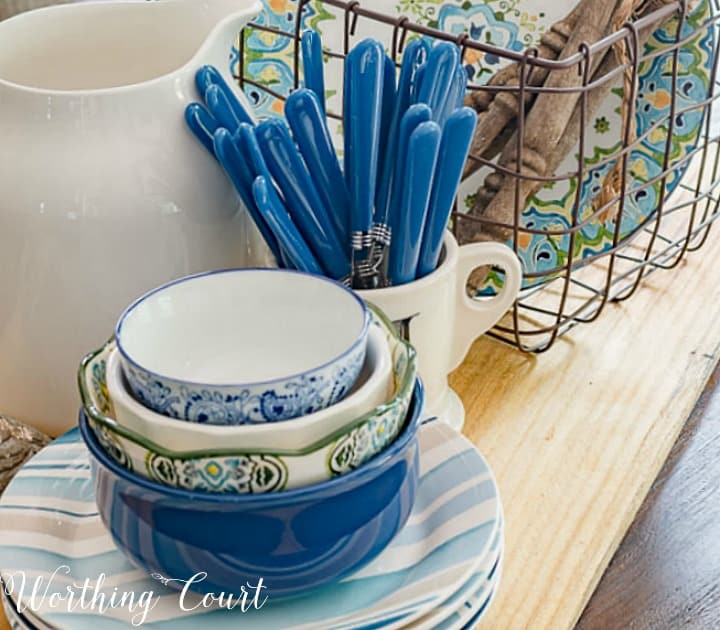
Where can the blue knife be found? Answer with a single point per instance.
(454, 148)
(418, 174)
(310, 130)
(284, 229)
(312, 57)
(303, 201)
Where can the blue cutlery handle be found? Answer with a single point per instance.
(241, 175)
(417, 83)
(310, 130)
(220, 108)
(363, 120)
(202, 124)
(312, 57)
(389, 93)
(414, 116)
(209, 75)
(438, 78)
(246, 143)
(284, 229)
(347, 123)
(414, 56)
(422, 153)
(456, 94)
(454, 147)
(460, 86)
(303, 201)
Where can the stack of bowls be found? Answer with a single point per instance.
(252, 423)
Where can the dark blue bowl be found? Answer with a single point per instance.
(294, 540)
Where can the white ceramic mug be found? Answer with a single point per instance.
(438, 317)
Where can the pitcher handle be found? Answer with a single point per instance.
(475, 317)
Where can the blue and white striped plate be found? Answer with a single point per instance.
(469, 613)
(49, 520)
(470, 593)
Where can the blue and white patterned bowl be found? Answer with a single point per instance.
(242, 346)
(296, 540)
(254, 463)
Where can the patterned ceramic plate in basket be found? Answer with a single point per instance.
(515, 25)
(50, 520)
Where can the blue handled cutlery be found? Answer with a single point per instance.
(376, 217)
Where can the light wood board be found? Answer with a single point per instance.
(577, 435)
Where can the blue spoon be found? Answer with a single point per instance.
(422, 153)
(286, 232)
(301, 196)
(454, 147)
(362, 123)
(438, 77)
(414, 56)
(310, 130)
(241, 175)
(209, 75)
(414, 116)
(202, 124)
(312, 57)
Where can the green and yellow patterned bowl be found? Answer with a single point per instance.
(237, 471)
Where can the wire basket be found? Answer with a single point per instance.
(581, 271)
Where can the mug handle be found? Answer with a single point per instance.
(475, 317)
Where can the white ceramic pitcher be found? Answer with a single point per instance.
(104, 193)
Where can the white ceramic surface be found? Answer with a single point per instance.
(106, 193)
(441, 321)
(374, 387)
(243, 346)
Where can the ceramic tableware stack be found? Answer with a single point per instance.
(319, 477)
(248, 381)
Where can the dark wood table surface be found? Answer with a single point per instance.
(666, 573)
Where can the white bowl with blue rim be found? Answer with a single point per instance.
(242, 346)
(375, 386)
